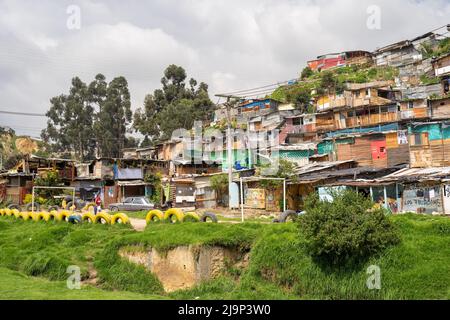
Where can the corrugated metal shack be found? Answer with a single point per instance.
(420, 190)
(14, 186)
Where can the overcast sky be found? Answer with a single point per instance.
(228, 44)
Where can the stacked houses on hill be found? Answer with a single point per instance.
(388, 139)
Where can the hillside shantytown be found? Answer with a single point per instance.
(377, 122)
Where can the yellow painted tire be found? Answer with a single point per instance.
(170, 214)
(25, 216)
(53, 215)
(42, 216)
(154, 216)
(64, 216)
(88, 217)
(46, 216)
(103, 218)
(8, 212)
(15, 213)
(191, 217)
(89, 207)
(120, 218)
(35, 216)
(2, 212)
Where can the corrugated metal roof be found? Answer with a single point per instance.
(295, 147)
(132, 183)
(51, 159)
(419, 174)
(318, 166)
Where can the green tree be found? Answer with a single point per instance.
(49, 179)
(91, 119)
(70, 122)
(113, 119)
(306, 73)
(176, 105)
(219, 183)
(301, 98)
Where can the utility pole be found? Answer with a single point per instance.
(229, 105)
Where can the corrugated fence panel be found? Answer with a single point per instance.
(399, 155)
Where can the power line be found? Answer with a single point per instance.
(23, 113)
(444, 26)
(278, 84)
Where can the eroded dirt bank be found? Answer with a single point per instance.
(185, 266)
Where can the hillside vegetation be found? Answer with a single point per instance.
(13, 147)
(313, 84)
(280, 267)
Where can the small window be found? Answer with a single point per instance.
(297, 121)
(419, 139)
(357, 93)
(367, 93)
(410, 105)
(128, 200)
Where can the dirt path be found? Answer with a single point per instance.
(92, 277)
(138, 224)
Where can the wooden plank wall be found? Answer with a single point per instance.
(420, 156)
(396, 153)
(363, 155)
(441, 109)
(361, 152)
(436, 154)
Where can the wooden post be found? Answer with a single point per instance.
(242, 199)
(386, 206)
(32, 199)
(397, 199)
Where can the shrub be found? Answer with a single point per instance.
(29, 197)
(306, 73)
(48, 179)
(347, 230)
(219, 184)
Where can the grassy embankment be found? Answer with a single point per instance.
(417, 268)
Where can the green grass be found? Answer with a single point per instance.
(418, 268)
(279, 268)
(46, 249)
(17, 286)
(136, 214)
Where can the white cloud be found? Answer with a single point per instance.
(228, 44)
